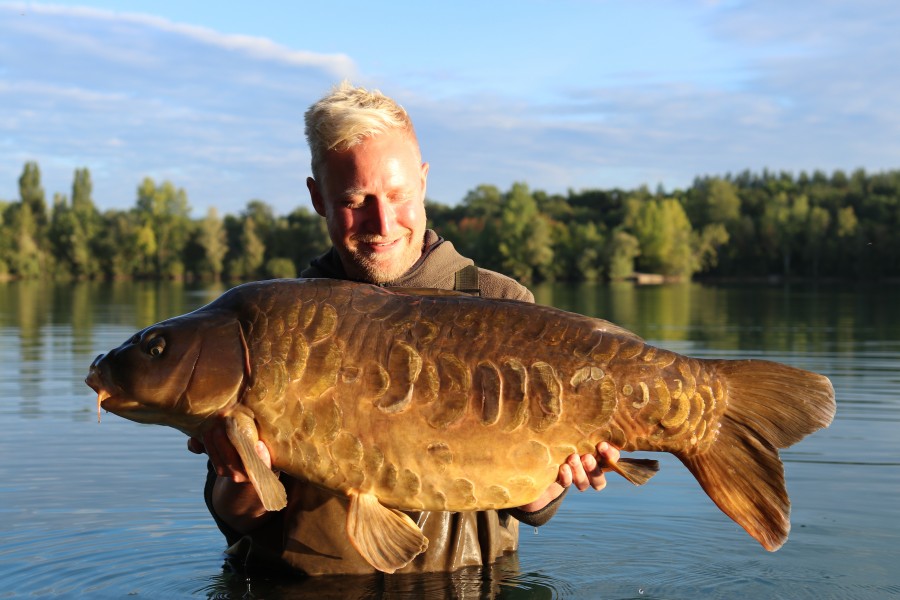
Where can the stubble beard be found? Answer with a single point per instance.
(382, 270)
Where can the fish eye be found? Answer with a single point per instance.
(156, 346)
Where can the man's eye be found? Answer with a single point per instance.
(403, 197)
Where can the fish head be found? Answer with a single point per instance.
(177, 372)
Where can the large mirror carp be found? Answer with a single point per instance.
(409, 400)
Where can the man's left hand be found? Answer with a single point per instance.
(582, 471)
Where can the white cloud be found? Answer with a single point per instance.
(796, 86)
(131, 96)
(337, 65)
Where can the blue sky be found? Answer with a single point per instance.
(558, 94)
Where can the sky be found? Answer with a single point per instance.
(561, 94)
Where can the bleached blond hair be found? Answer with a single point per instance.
(347, 116)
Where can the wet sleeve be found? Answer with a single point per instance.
(231, 536)
(538, 517)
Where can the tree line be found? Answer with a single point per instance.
(155, 239)
(734, 226)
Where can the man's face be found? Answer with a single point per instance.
(373, 198)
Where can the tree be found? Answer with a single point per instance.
(478, 231)
(69, 242)
(621, 251)
(817, 224)
(119, 246)
(716, 201)
(31, 193)
(306, 237)
(164, 215)
(665, 236)
(251, 252)
(29, 225)
(525, 246)
(26, 259)
(584, 252)
(88, 222)
(784, 220)
(213, 244)
(6, 237)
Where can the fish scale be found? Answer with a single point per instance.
(426, 400)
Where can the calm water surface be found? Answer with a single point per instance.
(115, 510)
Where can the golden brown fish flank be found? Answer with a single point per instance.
(434, 401)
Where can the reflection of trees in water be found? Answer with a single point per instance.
(51, 331)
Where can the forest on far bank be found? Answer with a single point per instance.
(748, 225)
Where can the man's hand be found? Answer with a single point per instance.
(234, 498)
(582, 471)
(225, 459)
(587, 471)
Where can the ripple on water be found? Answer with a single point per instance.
(89, 558)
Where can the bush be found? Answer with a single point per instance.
(280, 268)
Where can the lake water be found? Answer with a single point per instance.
(115, 510)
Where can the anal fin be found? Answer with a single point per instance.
(387, 538)
(243, 436)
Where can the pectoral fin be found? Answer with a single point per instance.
(387, 538)
(243, 436)
(636, 470)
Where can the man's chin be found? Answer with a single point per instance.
(381, 274)
(382, 270)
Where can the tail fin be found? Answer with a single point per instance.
(770, 406)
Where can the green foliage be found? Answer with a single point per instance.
(164, 217)
(524, 247)
(213, 246)
(31, 194)
(622, 250)
(250, 252)
(744, 225)
(664, 236)
(280, 268)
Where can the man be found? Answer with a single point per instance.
(369, 183)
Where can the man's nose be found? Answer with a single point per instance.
(382, 218)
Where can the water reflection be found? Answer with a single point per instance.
(502, 579)
(784, 318)
(116, 509)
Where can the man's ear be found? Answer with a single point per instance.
(315, 194)
(425, 167)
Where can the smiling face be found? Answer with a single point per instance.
(372, 196)
(175, 373)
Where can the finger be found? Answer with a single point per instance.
(564, 478)
(607, 455)
(593, 472)
(263, 452)
(224, 457)
(580, 477)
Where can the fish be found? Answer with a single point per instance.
(414, 400)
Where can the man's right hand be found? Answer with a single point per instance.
(234, 499)
(225, 459)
